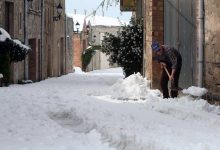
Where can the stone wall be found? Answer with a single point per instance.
(212, 46)
(34, 24)
(53, 59)
(69, 45)
(15, 30)
(153, 30)
(77, 51)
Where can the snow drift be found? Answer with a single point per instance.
(195, 91)
(65, 114)
(134, 87)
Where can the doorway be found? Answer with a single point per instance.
(33, 66)
(9, 18)
(180, 32)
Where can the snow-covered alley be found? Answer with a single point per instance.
(95, 111)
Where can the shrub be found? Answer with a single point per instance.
(126, 48)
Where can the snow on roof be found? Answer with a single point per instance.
(4, 35)
(95, 20)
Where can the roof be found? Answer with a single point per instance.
(95, 20)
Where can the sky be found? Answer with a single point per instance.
(89, 5)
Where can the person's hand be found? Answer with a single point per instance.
(162, 65)
(171, 77)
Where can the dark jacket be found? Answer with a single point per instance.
(170, 56)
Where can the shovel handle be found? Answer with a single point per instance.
(165, 68)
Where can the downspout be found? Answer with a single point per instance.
(26, 38)
(200, 41)
(65, 35)
(42, 40)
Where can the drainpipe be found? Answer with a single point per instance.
(200, 42)
(42, 41)
(65, 53)
(26, 38)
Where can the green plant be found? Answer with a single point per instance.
(10, 51)
(5, 60)
(88, 54)
(126, 48)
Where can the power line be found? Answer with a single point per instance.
(101, 5)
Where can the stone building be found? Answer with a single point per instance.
(79, 38)
(212, 48)
(11, 19)
(91, 32)
(77, 50)
(69, 45)
(97, 33)
(49, 57)
(176, 23)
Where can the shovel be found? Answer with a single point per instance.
(173, 89)
(186, 91)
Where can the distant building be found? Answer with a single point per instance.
(176, 23)
(97, 33)
(50, 60)
(91, 31)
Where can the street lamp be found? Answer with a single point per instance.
(59, 12)
(77, 27)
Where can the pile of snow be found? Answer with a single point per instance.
(78, 70)
(4, 35)
(111, 71)
(1, 75)
(95, 20)
(134, 87)
(195, 91)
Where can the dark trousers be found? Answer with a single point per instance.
(174, 84)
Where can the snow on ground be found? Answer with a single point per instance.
(81, 111)
(78, 70)
(133, 87)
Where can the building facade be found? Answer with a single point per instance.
(46, 34)
(69, 45)
(97, 33)
(77, 50)
(11, 19)
(212, 49)
(177, 23)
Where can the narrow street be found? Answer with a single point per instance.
(109, 75)
(78, 112)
